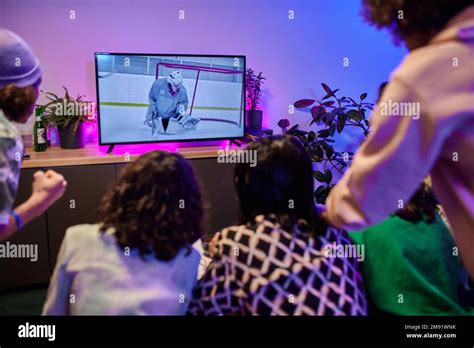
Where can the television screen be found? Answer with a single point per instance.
(154, 98)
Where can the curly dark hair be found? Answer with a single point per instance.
(283, 175)
(423, 206)
(155, 206)
(18, 102)
(421, 21)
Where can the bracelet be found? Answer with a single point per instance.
(18, 220)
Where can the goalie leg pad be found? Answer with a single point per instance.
(158, 126)
(174, 127)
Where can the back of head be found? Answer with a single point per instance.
(414, 22)
(155, 206)
(20, 75)
(280, 184)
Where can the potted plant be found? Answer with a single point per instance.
(334, 113)
(69, 115)
(253, 89)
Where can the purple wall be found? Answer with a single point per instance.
(295, 55)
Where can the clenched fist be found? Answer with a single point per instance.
(47, 188)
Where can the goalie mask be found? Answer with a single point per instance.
(175, 79)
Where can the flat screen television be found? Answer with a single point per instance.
(148, 98)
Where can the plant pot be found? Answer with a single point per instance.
(254, 119)
(70, 140)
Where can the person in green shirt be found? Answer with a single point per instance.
(411, 264)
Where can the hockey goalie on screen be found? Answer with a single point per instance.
(168, 105)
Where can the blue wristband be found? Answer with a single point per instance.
(18, 220)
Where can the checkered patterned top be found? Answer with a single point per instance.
(260, 269)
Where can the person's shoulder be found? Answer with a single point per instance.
(11, 144)
(159, 83)
(192, 254)
(260, 225)
(8, 129)
(231, 237)
(230, 232)
(423, 67)
(162, 81)
(80, 235)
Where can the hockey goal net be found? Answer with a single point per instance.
(208, 89)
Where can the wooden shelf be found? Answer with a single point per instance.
(93, 154)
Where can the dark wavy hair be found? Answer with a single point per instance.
(18, 102)
(280, 186)
(422, 19)
(423, 206)
(155, 206)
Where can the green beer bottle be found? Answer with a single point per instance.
(39, 131)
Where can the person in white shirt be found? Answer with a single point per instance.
(423, 124)
(139, 258)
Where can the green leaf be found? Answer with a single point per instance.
(354, 115)
(321, 194)
(320, 189)
(319, 176)
(322, 112)
(315, 111)
(329, 118)
(324, 133)
(329, 152)
(283, 123)
(328, 176)
(304, 103)
(332, 129)
(299, 132)
(341, 122)
(292, 129)
(318, 152)
(327, 89)
(363, 96)
(311, 136)
(352, 101)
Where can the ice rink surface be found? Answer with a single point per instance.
(125, 124)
